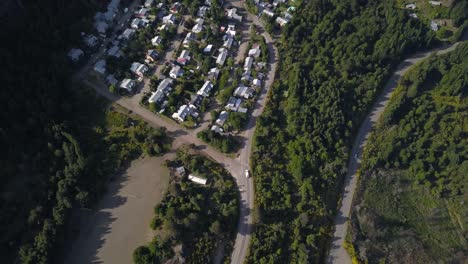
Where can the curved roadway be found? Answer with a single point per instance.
(337, 253)
(182, 136)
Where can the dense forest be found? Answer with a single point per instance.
(335, 57)
(193, 221)
(411, 203)
(59, 143)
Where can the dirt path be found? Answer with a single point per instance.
(337, 253)
(120, 223)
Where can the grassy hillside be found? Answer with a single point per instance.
(411, 204)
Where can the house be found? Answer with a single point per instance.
(254, 51)
(413, 15)
(202, 11)
(75, 54)
(434, 26)
(152, 55)
(233, 104)
(248, 63)
(100, 66)
(213, 74)
(223, 116)
(149, 3)
(196, 102)
(135, 23)
(114, 52)
(156, 41)
(111, 80)
(180, 171)
(163, 27)
(435, 3)
(206, 89)
(208, 48)
(128, 33)
(188, 39)
(246, 76)
(139, 69)
(101, 27)
(242, 110)
(277, 2)
(198, 26)
(411, 6)
(287, 15)
(227, 41)
(175, 8)
(142, 12)
(197, 179)
(182, 113)
(232, 13)
(176, 71)
(268, 12)
(243, 91)
(221, 56)
(184, 57)
(128, 85)
(291, 9)
(257, 83)
(163, 88)
(217, 129)
(231, 30)
(281, 21)
(90, 41)
(169, 19)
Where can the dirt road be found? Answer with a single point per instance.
(121, 221)
(337, 253)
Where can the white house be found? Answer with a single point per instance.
(435, 3)
(257, 83)
(208, 48)
(142, 12)
(169, 19)
(128, 33)
(254, 52)
(227, 41)
(188, 39)
(221, 56)
(139, 69)
(156, 41)
(127, 84)
(183, 112)
(231, 30)
(223, 116)
(206, 89)
(202, 11)
(243, 91)
(217, 129)
(91, 41)
(149, 3)
(163, 88)
(198, 26)
(197, 179)
(184, 57)
(233, 104)
(268, 12)
(114, 51)
(281, 21)
(232, 13)
(434, 26)
(175, 8)
(75, 54)
(151, 55)
(100, 66)
(135, 23)
(176, 71)
(411, 6)
(248, 63)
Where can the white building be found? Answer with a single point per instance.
(233, 104)
(411, 6)
(128, 33)
(248, 63)
(114, 51)
(198, 26)
(227, 41)
(268, 12)
(183, 112)
(188, 39)
(213, 74)
(184, 57)
(243, 91)
(75, 54)
(206, 89)
(176, 71)
(169, 19)
(149, 3)
(254, 52)
(202, 11)
(163, 89)
(127, 84)
(196, 179)
(208, 48)
(221, 56)
(100, 66)
(232, 13)
(281, 21)
(139, 69)
(434, 26)
(91, 41)
(156, 41)
(223, 116)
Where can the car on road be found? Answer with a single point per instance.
(247, 173)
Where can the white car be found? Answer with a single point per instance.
(247, 174)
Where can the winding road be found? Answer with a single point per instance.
(337, 253)
(236, 166)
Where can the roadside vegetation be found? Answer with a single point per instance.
(193, 222)
(411, 203)
(60, 143)
(335, 57)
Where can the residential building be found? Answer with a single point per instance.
(202, 11)
(233, 104)
(156, 41)
(91, 41)
(198, 26)
(128, 33)
(152, 55)
(75, 54)
(231, 30)
(248, 63)
(101, 26)
(188, 39)
(281, 21)
(176, 71)
(142, 12)
(139, 69)
(100, 67)
(149, 3)
(175, 8)
(135, 23)
(223, 116)
(268, 12)
(287, 15)
(435, 3)
(182, 113)
(257, 83)
(163, 89)
(243, 91)
(163, 27)
(227, 41)
(411, 6)
(111, 80)
(197, 179)
(208, 48)
(254, 51)
(169, 19)
(232, 13)
(114, 52)
(221, 56)
(206, 89)
(197, 100)
(184, 57)
(246, 76)
(128, 85)
(180, 171)
(213, 74)
(413, 15)
(434, 26)
(217, 129)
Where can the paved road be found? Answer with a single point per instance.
(337, 253)
(181, 136)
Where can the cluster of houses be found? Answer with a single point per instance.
(271, 10)
(432, 24)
